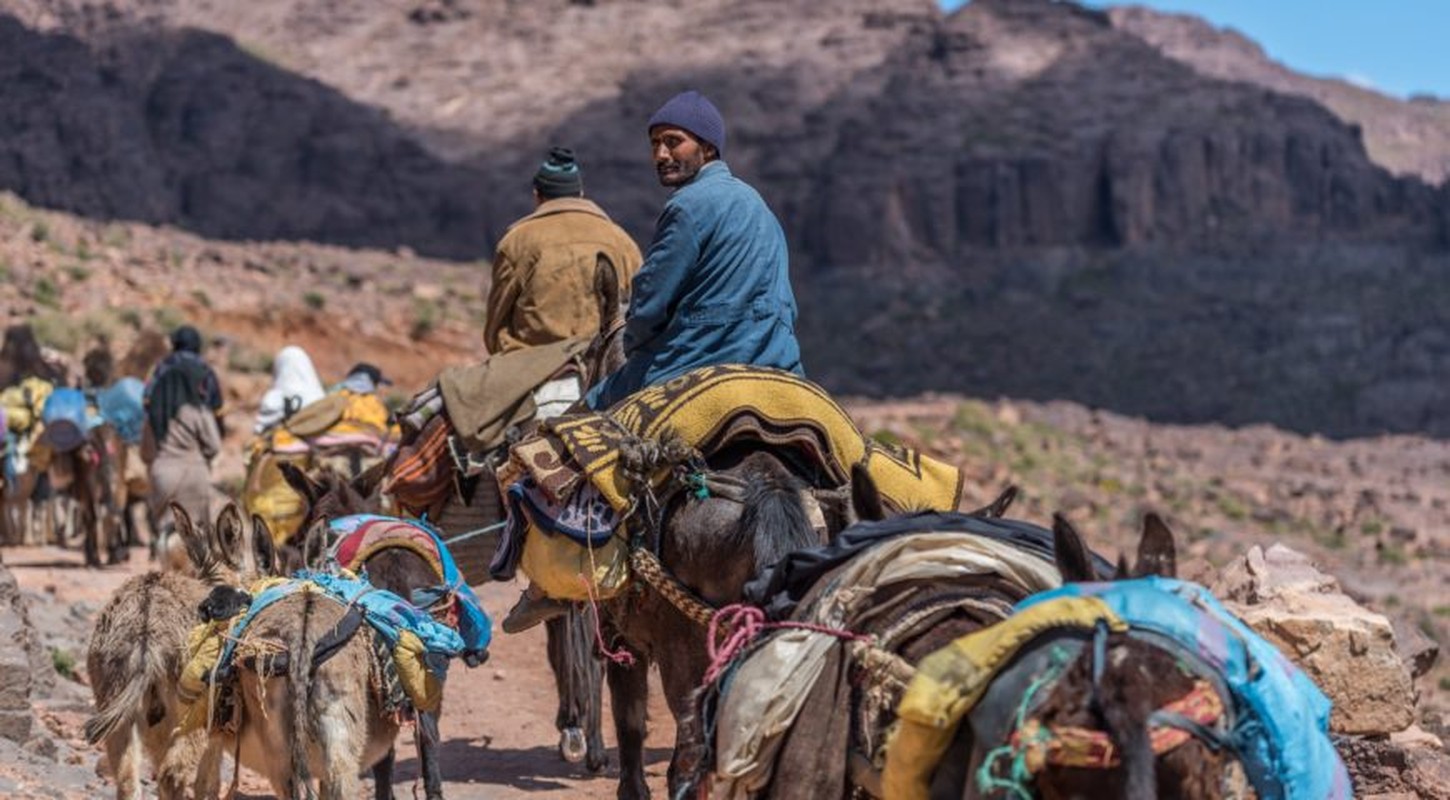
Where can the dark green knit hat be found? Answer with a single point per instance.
(559, 175)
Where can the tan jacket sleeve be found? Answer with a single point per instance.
(502, 295)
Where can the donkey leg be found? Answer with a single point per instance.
(629, 693)
(123, 752)
(428, 756)
(679, 680)
(383, 776)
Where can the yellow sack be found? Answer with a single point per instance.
(23, 403)
(419, 683)
(559, 566)
(268, 495)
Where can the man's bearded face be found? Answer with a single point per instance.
(678, 155)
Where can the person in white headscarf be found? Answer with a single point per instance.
(294, 385)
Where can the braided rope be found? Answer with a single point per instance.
(646, 565)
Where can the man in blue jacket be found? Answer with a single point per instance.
(714, 288)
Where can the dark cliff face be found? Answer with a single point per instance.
(1019, 181)
(185, 128)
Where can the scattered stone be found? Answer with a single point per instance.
(1347, 649)
(1417, 650)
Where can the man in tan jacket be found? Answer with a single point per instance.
(543, 290)
(543, 272)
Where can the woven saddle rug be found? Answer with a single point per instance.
(712, 408)
(451, 601)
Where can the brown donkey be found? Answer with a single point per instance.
(1109, 692)
(138, 649)
(306, 670)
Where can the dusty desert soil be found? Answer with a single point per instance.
(498, 723)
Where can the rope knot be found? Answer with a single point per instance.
(731, 630)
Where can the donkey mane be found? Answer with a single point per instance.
(773, 521)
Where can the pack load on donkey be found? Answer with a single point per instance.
(347, 432)
(850, 619)
(411, 649)
(1248, 699)
(454, 436)
(23, 404)
(569, 490)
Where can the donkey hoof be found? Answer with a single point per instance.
(572, 747)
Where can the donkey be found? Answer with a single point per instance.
(710, 547)
(399, 570)
(1114, 690)
(138, 650)
(318, 714)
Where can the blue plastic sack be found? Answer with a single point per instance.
(122, 407)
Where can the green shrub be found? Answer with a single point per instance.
(46, 293)
(64, 663)
(315, 300)
(78, 273)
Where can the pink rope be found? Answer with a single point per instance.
(741, 624)
(622, 657)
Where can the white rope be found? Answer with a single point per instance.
(476, 532)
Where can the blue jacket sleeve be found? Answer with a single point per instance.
(658, 285)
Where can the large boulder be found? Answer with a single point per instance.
(1346, 648)
(18, 650)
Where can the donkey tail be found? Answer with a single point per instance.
(125, 707)
(1127, 722)
(135, 673)
(299, 660)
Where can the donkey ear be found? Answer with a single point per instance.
(314, 545)
(198, 548)
(366, 484)
(301, 482)
(1157, 554)
(865, 497)
(998, 508)
(1074, 561)
(230, 534)
(263, 549)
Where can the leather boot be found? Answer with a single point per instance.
(533, 608)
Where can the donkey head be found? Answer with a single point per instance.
(1116, 690)
(226, 552)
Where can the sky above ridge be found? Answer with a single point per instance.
(1393, 46)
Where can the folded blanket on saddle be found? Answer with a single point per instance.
(1279, 717)
(892, 590)
(452, 600)
(486, 399)
(420, 646)
(715, 407)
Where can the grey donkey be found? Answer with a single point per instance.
(138, 650)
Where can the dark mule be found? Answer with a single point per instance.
(709, 548)
(86, 477)
(399, 570)
(1111, 692)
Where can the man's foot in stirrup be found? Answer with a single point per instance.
(532, 608)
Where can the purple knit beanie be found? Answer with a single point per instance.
(695, 113)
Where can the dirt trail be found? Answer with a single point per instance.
(497, 725)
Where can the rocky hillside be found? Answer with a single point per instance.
(1407, 138)
(1024, 197)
